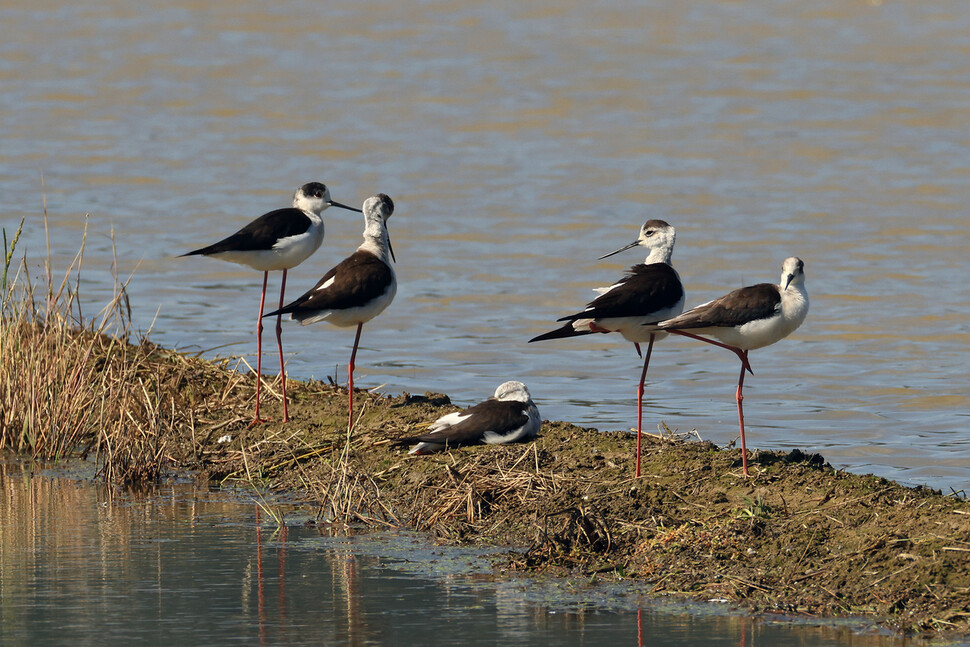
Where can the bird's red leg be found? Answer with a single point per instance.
(279, 345)
(350, 378)
(745, 366)
(259, 350)
(742, 355)
(643, 376)
(740, 398)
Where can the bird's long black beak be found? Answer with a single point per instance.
(622, 249)
(334, 203)
(390, 247)
(791, 277)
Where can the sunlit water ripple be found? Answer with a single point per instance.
(521, 142)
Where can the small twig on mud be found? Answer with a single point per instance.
(657, 585)
(392, 468)
(836, 597)
(807, 576)
(530, 449)
(696, 505)
(453, 474)
(667, 435)
(833, 519)
(640, 528)
(896, 572)
(753, 585)
(808, 546)
(296, 459)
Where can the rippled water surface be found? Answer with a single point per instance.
(520, 141)
(185, 566)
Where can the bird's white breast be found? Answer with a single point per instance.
(296, 249)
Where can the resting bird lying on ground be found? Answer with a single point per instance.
(507, 417)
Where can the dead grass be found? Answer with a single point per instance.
(70, 386)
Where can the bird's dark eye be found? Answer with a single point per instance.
(314, 190)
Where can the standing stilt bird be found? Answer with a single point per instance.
(509, 416)
(278, 240)
(649, 293)
(358, 289)
(748, 318)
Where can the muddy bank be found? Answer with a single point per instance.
(800, 537)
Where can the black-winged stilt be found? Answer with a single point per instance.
(748, 318)
(649, 293)
(508, 416)
(358, 289)
(278, 240)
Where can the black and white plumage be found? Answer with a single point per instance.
(649, 293)
(359, 288)
(278, 240)
(748, 318)
(509, 416)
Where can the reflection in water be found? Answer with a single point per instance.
(182, 565)
(521, 141)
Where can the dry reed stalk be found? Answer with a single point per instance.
(348, 493)
(484, 482)
(351, 495)
(70, 387)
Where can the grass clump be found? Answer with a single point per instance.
(72, 387)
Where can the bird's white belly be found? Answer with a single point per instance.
(638, 329)
(296, 249)
(286, 254)
(752, 335)
(354, 316)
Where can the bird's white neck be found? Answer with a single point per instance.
(659, 255)
(315, 218)
(376, 240)
(794, 303)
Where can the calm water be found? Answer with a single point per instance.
(186, 566)
(521, 141)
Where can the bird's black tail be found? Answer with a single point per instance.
(560, 333)
(285, 310)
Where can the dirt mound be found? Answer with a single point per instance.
(800, 537)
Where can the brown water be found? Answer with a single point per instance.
(186, 566)
(521, 141)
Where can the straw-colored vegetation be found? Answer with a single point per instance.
(800, 537)
(75, 387)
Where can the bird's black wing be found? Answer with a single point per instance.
(643, 290)
(262, 233)
(358, 279)
(498, 416)
(736, 308)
